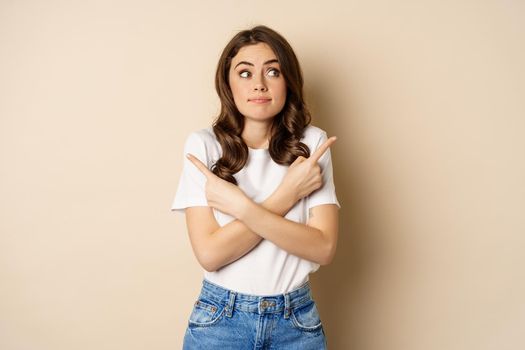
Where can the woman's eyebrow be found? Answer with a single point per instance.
(251, 64)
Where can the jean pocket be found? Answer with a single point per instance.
(306, 317)
(205, 313)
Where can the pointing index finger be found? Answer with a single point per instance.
(322, 149)
(200, 165)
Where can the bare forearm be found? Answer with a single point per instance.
(235, 239)
(296, 238)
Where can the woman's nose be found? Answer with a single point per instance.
(259, 84)
(260, 87)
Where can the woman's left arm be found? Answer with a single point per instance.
(315, 241)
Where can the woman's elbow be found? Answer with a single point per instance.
(208, 266)
(328, 253)
(207, 261)
(326, 260)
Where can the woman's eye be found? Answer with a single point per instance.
(272, 72)
(275, 72)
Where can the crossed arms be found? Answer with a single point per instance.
(215, 246)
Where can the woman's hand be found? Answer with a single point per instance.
(221, 194)
(304, 174)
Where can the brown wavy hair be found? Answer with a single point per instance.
(288, 125)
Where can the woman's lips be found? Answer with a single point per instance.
(260, 100)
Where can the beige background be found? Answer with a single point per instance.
(426, 97)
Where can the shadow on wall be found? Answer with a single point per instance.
(340, 288)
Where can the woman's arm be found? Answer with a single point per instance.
(216, 246)
(315, 241)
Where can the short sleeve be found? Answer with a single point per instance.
(326, 194)
(191, 189)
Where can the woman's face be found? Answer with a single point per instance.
(256, 82)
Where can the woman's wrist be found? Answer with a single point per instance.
(279, 202)
(244, 208)
(282, 200)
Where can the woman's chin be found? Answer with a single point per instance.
(260, 117)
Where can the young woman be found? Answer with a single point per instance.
(260, 204)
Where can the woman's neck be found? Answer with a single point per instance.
(256, 135)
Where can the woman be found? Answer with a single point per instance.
(260, 204)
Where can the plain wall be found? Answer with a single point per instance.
(427, 101)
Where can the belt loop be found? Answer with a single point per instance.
(231, 303)
(286, 305)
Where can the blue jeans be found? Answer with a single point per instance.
(224, 319)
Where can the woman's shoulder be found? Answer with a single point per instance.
(203, 136)
(204, 141)
(313, 134)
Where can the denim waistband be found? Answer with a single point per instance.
(256, 303)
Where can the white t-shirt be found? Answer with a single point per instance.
(266, 269)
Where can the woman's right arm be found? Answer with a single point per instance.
(215, 246)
